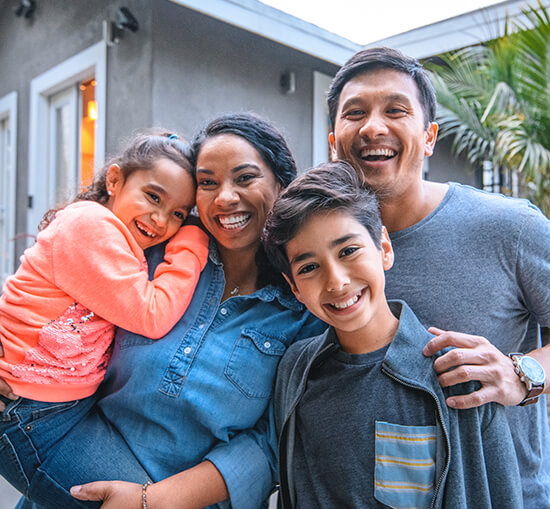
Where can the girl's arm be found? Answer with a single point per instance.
(96, 261)
(197, 487)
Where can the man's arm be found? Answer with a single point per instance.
(475, 358)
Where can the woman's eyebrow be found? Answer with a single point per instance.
(233, 170)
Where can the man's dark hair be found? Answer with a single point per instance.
(383, 58)
(326, 188)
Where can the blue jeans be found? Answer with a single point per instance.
(45, 448)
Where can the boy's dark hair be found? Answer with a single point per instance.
(140, 152)
(371, 59)
(326, 188)
(261, 134)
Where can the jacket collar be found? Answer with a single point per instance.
(404, 358)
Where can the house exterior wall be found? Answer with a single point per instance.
(180, 69)
(445, 167)
(58, 30)
(203, 67)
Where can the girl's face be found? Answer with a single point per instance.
(153, 203)
(235, 191)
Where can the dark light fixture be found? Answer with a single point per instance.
(25, 8)
(114, 30)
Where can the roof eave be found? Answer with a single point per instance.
(277, 26)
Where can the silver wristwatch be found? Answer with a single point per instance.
(532, 374)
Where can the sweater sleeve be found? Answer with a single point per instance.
(503, 475)
(96, 261)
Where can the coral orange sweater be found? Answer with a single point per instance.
(85, 273)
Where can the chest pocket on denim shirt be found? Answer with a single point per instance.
(253, 363)
(404, 469)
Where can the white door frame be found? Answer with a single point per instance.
(8, 110)
(91, 61)
(321, 84)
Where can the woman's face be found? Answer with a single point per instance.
(235, 191)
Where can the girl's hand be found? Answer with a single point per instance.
(115, 494)
(5, 390)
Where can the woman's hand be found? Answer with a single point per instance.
(196, 487)
(5, 390)
(115, 494)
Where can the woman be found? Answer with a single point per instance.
(197, 401)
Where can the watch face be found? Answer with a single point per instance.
(532, 370)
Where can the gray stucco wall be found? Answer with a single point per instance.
(180, 69)
(444, 167)
(203, 67)
(58, 30)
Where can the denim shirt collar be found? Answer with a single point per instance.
(266, 294)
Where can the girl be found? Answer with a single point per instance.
(87, 273)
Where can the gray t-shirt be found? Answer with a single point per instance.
(346, 452)
(480, 264)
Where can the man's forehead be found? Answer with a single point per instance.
(385, 83)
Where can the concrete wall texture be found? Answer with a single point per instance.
(179, 70)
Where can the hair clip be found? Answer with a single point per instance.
(173, 137)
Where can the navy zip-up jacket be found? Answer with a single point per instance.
(476, 466)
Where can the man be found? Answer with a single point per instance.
(465, 260)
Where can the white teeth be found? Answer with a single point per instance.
(378, 152)
(347, 304)
(233, 222)
(143, 229)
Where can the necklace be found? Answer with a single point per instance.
(234, 292)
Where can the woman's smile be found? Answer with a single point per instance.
(235, 191)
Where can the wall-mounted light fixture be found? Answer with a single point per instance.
(288, 82)
(113, 31)
(25, 8)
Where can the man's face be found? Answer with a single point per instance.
(380, 130)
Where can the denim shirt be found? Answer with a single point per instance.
(203, 391)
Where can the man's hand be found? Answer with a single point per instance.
(474, 358)
(115, 494)
(5, 390)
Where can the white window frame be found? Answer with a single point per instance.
(8, 110)
(91, 61)
(321, 84)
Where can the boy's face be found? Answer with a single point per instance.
(339, 272)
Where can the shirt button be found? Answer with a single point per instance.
(223, 311)
(267, 344)
(187, 350)
(201, 326)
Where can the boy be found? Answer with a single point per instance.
(360, 415)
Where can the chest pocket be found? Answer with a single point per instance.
(253, 363)
(404, 469)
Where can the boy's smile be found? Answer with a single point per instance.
(338, 274)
